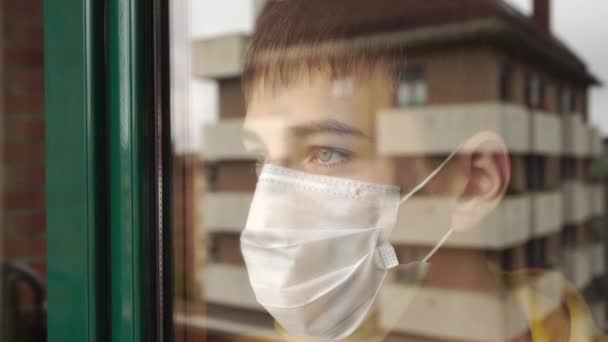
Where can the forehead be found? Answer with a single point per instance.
(351, 99)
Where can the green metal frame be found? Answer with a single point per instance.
(133, 233)
(75, 171)
(102, 115)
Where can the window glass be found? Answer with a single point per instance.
(412, 88)
(567, 104)
(355, 170)
(505, 83)
(535, 92)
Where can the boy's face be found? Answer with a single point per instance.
(322, 126)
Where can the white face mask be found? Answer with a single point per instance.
(317, 248)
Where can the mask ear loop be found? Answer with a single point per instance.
(430, 176)
(438, 245)
(420, 186)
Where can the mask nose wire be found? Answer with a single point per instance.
(430, 176)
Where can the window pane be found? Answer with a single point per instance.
(350, 170)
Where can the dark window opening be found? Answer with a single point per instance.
(536, 253)
(411, 87)
(535, 172)
(567, 168)
(505, 83)
(567, 102)
(535, 92)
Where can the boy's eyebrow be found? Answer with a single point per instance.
(326, 126)
(330, 126)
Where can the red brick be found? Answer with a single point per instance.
(196, 334)
(31, 11)
(231, 101)
(25, 128)
(29, 36)
(236, 176)
(24, 177)
(26, 225)
(179, 331)
(26, 81)
(24, 200)
(23, 57)
(24, 104)
(24, 153)
(25, 248)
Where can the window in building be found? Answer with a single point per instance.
(536, 253)
(567, 103)
(535, 92)
(505, 83)
(568, 236)
(568, 169)
(212, 176)
(506, 260)
(535, 171)
(412, 87)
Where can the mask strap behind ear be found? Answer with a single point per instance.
(430, 176)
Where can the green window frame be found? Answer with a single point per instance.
(106, 142)
(75, 175)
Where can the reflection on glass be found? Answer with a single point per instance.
(403, 171)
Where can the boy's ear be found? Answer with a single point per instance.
(488, 175)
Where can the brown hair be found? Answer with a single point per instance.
(295, 39)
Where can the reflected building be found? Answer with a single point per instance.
(472, 65)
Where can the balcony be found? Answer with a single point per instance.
(504, 316)
(420, 222)
(223, 141)
(547, 213)
(546, 133)
(575, 202)
(220, 57)
(423, 221)
(440, 129)
(229, 285)
(225, 211)
(246, 325)
(575, 136)
(595, 193)
(596, 142)
(578, 266)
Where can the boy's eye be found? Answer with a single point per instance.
(326, 155)
(330, 156)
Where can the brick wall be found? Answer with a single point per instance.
(188, 238)
(449, 69)
(189, 244)
(231, 99)
(22, 87)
